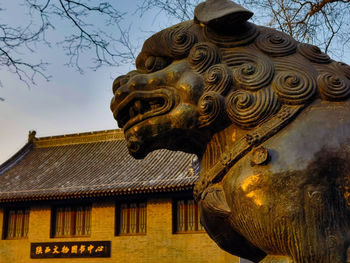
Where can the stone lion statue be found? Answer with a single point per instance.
(268, 118)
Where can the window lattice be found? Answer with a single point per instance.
(72, 221)
(131, 218)
(187, 216)
(17, 221)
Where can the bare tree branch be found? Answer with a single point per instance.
(84, 37)
(179, 9)
(325, 23)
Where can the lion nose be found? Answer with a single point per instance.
(138, 82)
(124, 85)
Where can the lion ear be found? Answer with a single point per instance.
(221, 13)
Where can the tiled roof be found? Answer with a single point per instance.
(89, 165)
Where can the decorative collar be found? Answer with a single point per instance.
(247, 143)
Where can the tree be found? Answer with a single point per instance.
(81, 37)
(325, 23)
(181, 10)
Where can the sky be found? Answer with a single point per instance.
(71, 102)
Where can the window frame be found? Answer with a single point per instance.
(73, 223)
(118, 214)
(198, 227)
(25, 221)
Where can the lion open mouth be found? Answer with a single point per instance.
(142, 105)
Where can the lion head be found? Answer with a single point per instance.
(195, 78)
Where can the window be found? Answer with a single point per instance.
(187, 217)
(71, 221)
(131, 218)
(16, 223)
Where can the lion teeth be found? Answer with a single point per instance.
(155, 104)
(139, 107)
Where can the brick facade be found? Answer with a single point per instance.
(158, 245)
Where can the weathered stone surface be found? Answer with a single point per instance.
(269, 119)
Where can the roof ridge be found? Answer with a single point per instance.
(79, 138)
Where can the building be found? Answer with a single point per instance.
(82, 197)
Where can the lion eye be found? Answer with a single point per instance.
(150, 61)
(153, 64)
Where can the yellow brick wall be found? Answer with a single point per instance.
(158, 245)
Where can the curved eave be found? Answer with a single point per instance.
(95, 194)
(14, 159)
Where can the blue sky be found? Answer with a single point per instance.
(70, 102)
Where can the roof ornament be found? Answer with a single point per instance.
(221, 13)
(31, 135)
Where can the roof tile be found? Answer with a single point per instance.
(90, 164)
